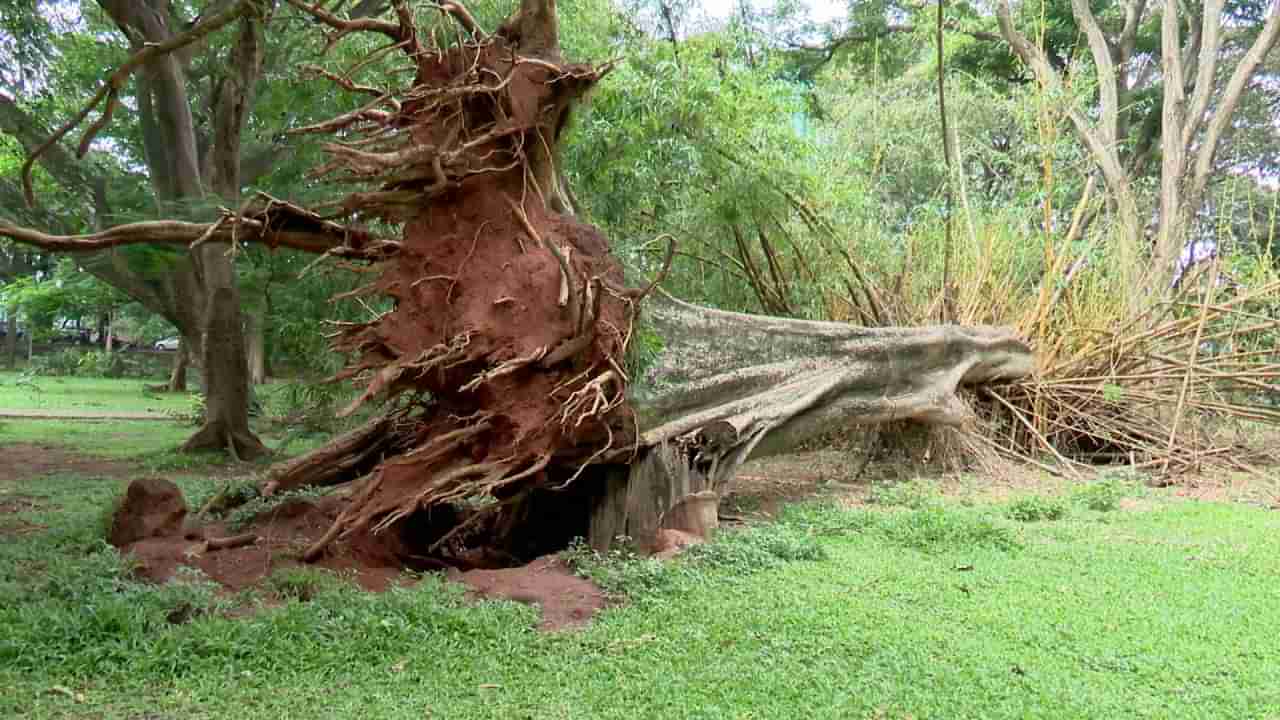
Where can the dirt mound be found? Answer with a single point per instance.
(152, 508)
(565, 599)
(279, 536)
(25, 460)
(374, 563)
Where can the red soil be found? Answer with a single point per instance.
(283, 532)
(565, 599)
(22, 461)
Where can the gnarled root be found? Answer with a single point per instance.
(343, 459)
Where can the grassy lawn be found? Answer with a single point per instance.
(19, 392)
(919, 607)
(151, 442)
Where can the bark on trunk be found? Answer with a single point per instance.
(225, 364)
(255, 334)
(728, 387)
(11, 336)
(178, 375)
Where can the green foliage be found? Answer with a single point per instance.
(303, 584)
(63, 363)
(916, 494)
(74, 362)
(937, 529)
(193, 413)
(1105, 495)
(312, 406)
(756, 548)
(931, 526)
(738, 552)
(244, 514)
(1037, 508)
(231, 494)
(643, 352)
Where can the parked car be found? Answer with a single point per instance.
(4, 331)
(169, 343)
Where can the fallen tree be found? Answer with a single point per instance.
(517, 420)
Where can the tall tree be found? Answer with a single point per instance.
(1201, 72)
(191, 166)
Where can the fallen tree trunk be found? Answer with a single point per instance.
(727, 387)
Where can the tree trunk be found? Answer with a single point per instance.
(225, 363)
(101, 330)
(728, 387)
(178, 375)
(208, 279)
(11, 336)
(255, 333)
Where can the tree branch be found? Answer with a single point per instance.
(1101, 49)
(111, 88)
(1240, 78)
(320, 239)
(1035, 58)
(1174, 153)
(356, 24)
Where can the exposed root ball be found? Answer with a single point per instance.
(509, 322)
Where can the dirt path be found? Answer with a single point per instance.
(81, 415)
(23, 461)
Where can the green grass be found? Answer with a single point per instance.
(122, 439)
(22, 392)
(938, 611)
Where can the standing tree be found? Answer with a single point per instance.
(191, 113)
(528, 402)
(1200, 99)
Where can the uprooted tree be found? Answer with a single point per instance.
(518, 412)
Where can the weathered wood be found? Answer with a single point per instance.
(728, 386)
(344, 458)
(609, 517)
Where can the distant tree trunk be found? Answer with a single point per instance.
(255, 335)
(178, 376)
(172, 147)
(110, 341)
(11, 337)
(104, 320)
(226, 412)
(1196, 112)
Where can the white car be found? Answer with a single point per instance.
(169, 343)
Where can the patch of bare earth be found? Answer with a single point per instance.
(763, 487)
(564, 599)
(12, 504)
(154, 527)
(26, 460)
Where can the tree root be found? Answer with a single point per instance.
(340, 460)
(242, 445)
